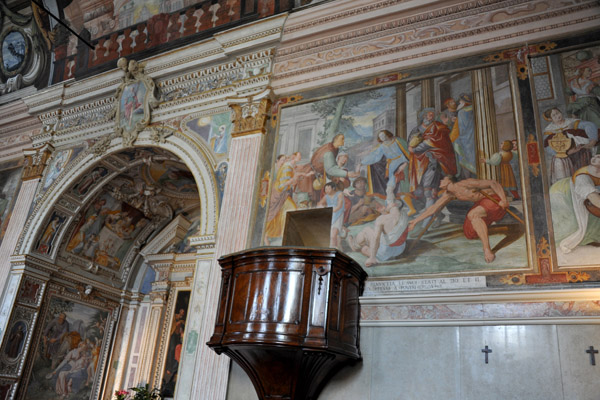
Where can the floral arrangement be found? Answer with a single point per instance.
(121, 394)
(139, 393)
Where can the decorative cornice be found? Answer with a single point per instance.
(406, 35)
(333, 17)
(387, 54)
(561, 306)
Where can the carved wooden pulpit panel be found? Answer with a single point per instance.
(289, 317)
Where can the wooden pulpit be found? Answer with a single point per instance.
(289, 316)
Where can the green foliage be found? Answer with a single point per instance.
(144, 393)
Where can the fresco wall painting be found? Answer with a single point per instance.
(68, 352)
(10, 183)
(215, 131)
(419, 175)
(569, 105)
(106, 231)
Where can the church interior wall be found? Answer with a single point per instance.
(227, 106)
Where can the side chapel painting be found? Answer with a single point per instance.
(568, 93)
(423, 177)
(10, 182)
(68, 351)
(175, 343)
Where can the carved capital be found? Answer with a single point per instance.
(159, 296)
(36, 161)
(250, 115)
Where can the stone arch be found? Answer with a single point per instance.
(190, 150)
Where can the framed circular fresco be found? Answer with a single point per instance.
(14, 52)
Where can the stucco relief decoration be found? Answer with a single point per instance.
(249, 117)
(36, 161)
(135, 100)
(160, 134)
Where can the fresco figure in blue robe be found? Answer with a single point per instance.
(396, 155)
(463, 137)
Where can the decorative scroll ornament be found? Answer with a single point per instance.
(160, 134)
(135, 100)
(101, 146)
(250, 114)
(36, 161)
(519, 55)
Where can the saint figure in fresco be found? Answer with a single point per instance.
(15, 340)
(387, 239)
(432, 156)
(397, 156)
(281, 195)
(335, 199)
(323, 166)
(587, 96)
(47, 238)
(568, 143)
(577, 198)
(462, 136)
(490, 206)
(53, 335)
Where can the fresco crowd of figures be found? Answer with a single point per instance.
(418, 189)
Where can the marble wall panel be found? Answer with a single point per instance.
(416, 363)
(579, 376)
(524, 363)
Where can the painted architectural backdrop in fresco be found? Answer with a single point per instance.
(568, 91)
(68, 351)
(379, 158)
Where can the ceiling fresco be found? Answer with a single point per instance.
(118, 207)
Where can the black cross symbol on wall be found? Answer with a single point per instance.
(592, 354)
(486, 351)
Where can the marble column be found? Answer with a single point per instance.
(35, 162)
(249, 116)
(158, 298)
(123, 346)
